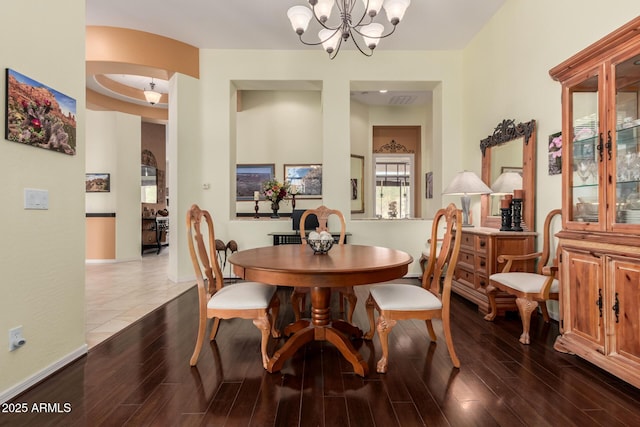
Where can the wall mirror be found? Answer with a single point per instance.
(511, 148)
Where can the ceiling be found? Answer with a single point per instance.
(263, 24)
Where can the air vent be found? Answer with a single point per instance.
(402, 100)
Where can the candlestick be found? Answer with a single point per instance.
(256, 209)
(518, 194)
(517, 213)
(293, 201)
(505, 214)
(256, 195)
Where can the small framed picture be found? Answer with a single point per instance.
(306, 178)
(249, 179)
(97, 183)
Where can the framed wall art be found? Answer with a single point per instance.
(38, 115)
(97, 183)
(357, 182)
(249, 179)
(306, 178)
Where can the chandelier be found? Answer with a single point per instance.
(151, 95)
(332, 36)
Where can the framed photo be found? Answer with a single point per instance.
(97, 183)
(357, 182)
(38, 115)
(555, 153)
(308, 179)
(428, 179)
(249, 179)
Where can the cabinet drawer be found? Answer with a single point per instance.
(481, 282)
(468, 241)
(465, 277)
(481, 265)
(466, 260)
(481, 244)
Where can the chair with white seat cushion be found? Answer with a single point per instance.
(246, 300)
(399, 301)
(529, 288)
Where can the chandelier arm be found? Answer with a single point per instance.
(337, 49)
(393, 30)
(335, 30)
(355, 42)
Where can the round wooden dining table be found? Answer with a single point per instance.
(343, 265)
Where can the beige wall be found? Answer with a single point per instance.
(113, 146)
(42, 255)
(507, 73)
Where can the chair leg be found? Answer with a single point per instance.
(214, 328)
(446, 327)
(297, 299)
(370, 305)
(263, 324)
(353, 300)
(545, 312)
(432, 333)
(384, 328)
(274, 308)
(525, 307)
(202, 326)
(491, 293)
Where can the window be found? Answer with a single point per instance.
(393, 185)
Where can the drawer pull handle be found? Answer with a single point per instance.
(483, 244)
(482, 263)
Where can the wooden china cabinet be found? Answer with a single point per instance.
(600, 239)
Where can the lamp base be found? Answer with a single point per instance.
(466, 202)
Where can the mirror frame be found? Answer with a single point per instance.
(505, 132)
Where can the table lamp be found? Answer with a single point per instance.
(506, 183)
(466, 183)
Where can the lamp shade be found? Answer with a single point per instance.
(299, 17)
(466, 182)
(395, 9)
(152, 96)
(329, 39)
(506, 183)
(371, 34)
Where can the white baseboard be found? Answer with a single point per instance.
(39, 376)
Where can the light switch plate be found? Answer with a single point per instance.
(36, 199)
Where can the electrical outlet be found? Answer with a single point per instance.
(16, 339)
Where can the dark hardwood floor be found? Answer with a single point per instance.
(142, 376)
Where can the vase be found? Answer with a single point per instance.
(274, 208)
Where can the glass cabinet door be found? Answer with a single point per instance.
(583, 155)
(625, 159)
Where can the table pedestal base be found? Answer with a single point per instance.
(320, 328)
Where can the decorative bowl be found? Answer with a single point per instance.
(320, 246)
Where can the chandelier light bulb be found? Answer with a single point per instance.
(299, 17)
(374, 6)
(331, 39)
(322, 9)
(395, 10)
(371, 34)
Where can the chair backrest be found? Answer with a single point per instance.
(447, 256)
(207, 269)
(550, 243)
(323, 213)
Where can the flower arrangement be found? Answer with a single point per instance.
(274, 190)
(555, 146)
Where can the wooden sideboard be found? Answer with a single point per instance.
(479, 250)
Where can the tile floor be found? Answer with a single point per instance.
(118, 294)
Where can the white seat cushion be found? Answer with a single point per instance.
(400, 296)
(524, 282)
(241, 296)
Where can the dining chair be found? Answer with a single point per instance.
(400, 301)
(298, 295)
(529, 288)
(245, 300)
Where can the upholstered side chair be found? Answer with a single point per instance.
(529, 288)
(400, 301)
(246, 300)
